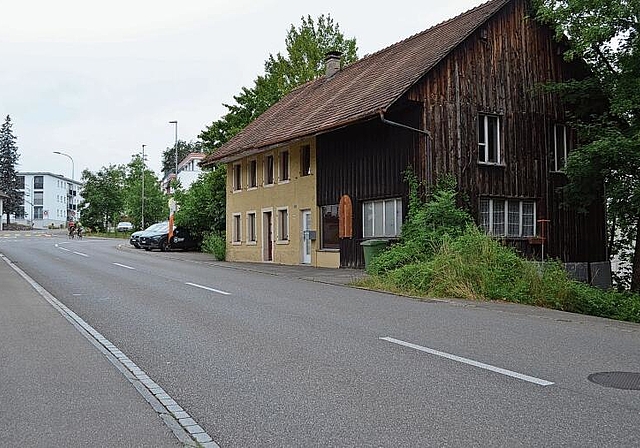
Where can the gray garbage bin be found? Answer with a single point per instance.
(371, 248)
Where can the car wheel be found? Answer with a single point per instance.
(164, 246)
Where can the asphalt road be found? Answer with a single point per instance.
(261, 359)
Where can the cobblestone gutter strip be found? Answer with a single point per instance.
(186, 430)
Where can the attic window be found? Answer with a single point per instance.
(484, 34)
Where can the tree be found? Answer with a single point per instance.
(604, 34)
(306, 48)
(202, 207)
(103, 197)
(184, 149)
(155, 203)
(8, 176)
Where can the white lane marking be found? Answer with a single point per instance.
(470, 362)
(81, 254)
(64, 249)
(123, 363)
(208, 289)
(125, 266)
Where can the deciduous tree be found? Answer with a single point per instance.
(604, 33)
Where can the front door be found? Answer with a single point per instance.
(267, 236)
(306, 237)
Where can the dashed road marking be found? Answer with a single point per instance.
(470, 362)
(81, 254)
(124, 266)
(208, 289)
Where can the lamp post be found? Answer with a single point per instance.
(175, 146)
(72, 165)
(143, 168)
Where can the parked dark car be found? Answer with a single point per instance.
(135, 237)
(157, 237)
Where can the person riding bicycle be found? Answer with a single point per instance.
(72, 229)
(78, 230)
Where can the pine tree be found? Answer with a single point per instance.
(8, 176)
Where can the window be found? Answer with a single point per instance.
(20, 184)
(237, 177)
(252, 181)
(330, 227)
(382, 218)
(284, 166)
(268, 170)
(511, 218)
(37, 212)
(38, 182)
(38, 198)
(560, 147)
(488, 138)
(283, 224)
(237, 229)
(251, 227)
(305, 160)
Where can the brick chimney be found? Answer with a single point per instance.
(332, 63)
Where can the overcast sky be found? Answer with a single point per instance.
(97, 80)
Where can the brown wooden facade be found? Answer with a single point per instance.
(498, 70)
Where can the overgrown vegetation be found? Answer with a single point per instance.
(215, 243)
(442, 254)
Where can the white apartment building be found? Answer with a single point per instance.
(188, 171)
(49, 199)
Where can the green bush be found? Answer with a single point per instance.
(216, 244)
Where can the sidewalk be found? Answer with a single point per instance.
(57, 389)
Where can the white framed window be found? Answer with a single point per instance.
(252, 174)
(283, 166)
(237, 177)
(268, 169)
(512, 218)
(382, 218)
(283, 224)
(560, 147)
(489, 139)
(236, 230)
(251, 227)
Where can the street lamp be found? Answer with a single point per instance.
(175, 146)
(72, 165)
(143, 168)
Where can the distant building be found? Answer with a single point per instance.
(188, 172)
(48, 199)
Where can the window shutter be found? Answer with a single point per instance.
(345, 217)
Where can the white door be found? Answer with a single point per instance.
(306, 237)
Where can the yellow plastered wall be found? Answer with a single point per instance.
(294, 196)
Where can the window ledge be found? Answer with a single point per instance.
(236, 191)
(236, 243)
(498, 165)
(328, 250)
(252, 188)
(268, 185)
(251, 243)
(283, 242)
(284, 181)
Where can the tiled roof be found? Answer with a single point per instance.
(358, 91)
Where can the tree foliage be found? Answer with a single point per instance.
(306, 46)
(8, 175)
(202, 207)
(155, 203)
(103, 198)
(604, 33)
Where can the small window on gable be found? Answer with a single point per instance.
(560, 147)
(252, 181)
(284, 166)
(488, 139)
(237, 177)
(268, 169)
(305, 160)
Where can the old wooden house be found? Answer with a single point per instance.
(322, 170)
